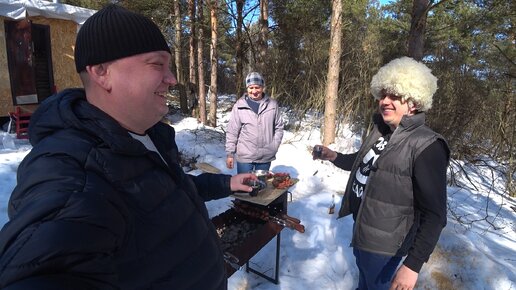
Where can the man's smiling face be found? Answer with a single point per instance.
(393, 109)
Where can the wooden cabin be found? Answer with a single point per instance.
(37, 41)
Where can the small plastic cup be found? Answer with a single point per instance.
(257, 185)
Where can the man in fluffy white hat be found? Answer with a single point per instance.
(397, 187)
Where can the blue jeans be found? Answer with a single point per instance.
(376, 271)
(248, 167)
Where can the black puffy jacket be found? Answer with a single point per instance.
(94, 209)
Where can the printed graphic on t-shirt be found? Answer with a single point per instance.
(360, 178)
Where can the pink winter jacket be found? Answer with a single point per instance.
(252, 137)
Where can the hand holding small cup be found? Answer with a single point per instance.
(323, 153)
(317, 152)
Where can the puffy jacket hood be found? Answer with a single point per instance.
(70, 109)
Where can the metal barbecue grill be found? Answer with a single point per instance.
(251, 224)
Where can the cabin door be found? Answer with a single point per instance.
(30, 61)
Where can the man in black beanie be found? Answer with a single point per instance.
(101, 200)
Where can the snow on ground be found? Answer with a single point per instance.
(477, 249)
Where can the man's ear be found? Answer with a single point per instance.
(99, 75)
(412, 106)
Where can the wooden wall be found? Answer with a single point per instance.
(5, 86)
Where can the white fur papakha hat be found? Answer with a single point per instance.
(408, 79)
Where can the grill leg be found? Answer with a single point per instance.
(274, 280)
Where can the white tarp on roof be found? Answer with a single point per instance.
(19, 9)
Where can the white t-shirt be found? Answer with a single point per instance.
(147, 142)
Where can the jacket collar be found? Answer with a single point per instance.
(242, 103)
(411, 122)
(70, 110)
(407, 123)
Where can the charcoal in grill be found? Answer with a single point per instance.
(234, 234)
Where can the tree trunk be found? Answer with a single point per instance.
(332, 79)
(264, 29)
(191, 43)
(191, 88)
(416, 38)
(239, 78)
(200, 62)
(212, 116)
(183, 101)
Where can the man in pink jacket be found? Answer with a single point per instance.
(255, 128)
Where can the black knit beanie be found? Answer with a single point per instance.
(113, 33)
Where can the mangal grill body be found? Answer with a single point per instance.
(251, 224)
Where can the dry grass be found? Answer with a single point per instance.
(443, 277)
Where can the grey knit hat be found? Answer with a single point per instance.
(254, 78)
(113, 33)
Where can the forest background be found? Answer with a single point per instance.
(319, 57)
